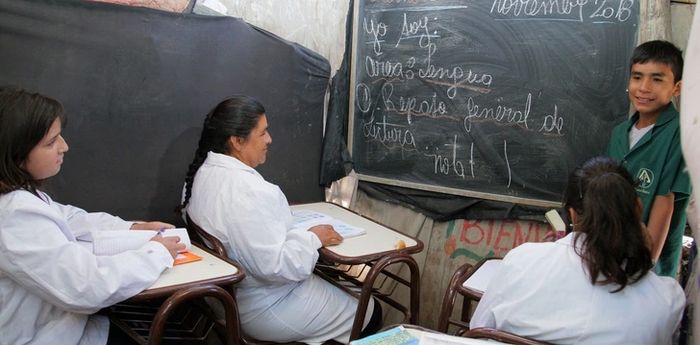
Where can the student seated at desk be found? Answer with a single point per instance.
(280, 299)
(50, 284)
(593, 286)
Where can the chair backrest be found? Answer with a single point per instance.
(206, 238)
(455, 287)
(502, 336)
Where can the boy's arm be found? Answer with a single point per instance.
(659, 222)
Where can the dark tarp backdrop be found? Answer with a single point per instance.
(136, 84)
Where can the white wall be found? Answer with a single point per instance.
(681, 19)
(318, 25)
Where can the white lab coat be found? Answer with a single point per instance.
(280, 299)
(49, 284)
(544, 293)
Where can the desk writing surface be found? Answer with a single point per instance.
(210, 267)
(378, 238)
(482, 277)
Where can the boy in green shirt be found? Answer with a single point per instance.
(648, 144)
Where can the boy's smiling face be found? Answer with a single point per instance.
(651, 87)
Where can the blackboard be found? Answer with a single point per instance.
(137, 83)
(494, 99)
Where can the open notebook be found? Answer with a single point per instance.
(111, 242)
(308, 218)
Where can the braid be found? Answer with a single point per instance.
(203, 148)
(199, 158)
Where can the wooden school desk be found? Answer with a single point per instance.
(378, 250)
(212, 276)
(470, 282)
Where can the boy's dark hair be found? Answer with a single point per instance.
(660, 52)
(614, 248)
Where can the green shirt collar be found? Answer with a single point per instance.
(666, 116)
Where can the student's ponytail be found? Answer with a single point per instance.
(615, 246)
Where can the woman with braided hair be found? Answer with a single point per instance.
(280, 299)
(593, 286)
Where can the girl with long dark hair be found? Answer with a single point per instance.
(593, 286)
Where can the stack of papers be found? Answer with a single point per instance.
(307, 219)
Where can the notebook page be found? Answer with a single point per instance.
(308, 219)
(114, 242)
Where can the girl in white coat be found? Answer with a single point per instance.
(49, 284)
(280, 299)
(594, 285)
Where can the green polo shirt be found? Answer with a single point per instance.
(657, 163)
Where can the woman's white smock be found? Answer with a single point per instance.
(280, 299)
(544, 292)
(50, 284)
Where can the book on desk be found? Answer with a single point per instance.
(112, 242)
(309, 218)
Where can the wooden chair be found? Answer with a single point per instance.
(200, 235)
(177, 320)
(377, 268)
(377, 274)
(469, 295)
(504, 337)
(210, 241)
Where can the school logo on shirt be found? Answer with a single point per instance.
(645, 178)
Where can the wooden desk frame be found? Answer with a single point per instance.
(378, 261)
(468, 295)
(220, 288)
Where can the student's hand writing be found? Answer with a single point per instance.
(151, 226)
(327, 235)
(171, 243)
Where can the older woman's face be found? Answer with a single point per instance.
(253, 150)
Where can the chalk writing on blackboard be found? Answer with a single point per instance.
(497, 99)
